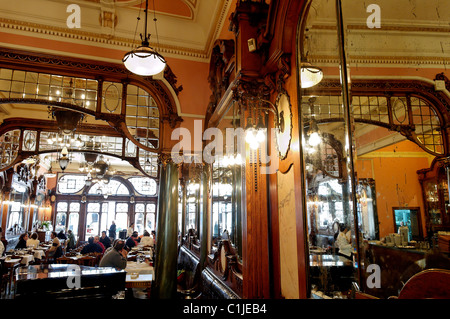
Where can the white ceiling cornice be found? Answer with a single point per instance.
(189, 39)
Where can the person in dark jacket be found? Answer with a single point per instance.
(91, 247)
(71, 240)
(61, 235)
(132, 241)
(105, 240)
(112, 230)
(22, 241)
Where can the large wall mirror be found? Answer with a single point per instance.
(226, 185)
(362, 154)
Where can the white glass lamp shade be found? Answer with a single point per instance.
(144, 61)
(310, 75)
(63, 162)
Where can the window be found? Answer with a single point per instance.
(67, 216)
(15, 216)
(73, 223)
(144, 185)
(144, 217)
(104, 221)
(150, 217)
(121, 216)
(71, 184)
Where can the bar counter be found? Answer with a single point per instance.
(393, 262)
(54, 281)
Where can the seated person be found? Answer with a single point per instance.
(98, 242)
(146, 240)
(55, 250)
(345, 247)
(33, 241)
(70, 240)
(107, 250)
(116, 257)
(22, 241)
(61, 235)
(3, 243)
(132, 241)
(105, 240)
(91, 247)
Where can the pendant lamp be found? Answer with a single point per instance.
(144, 60)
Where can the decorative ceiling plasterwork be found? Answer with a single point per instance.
(167, 9)
(178, 37)
(361, 53)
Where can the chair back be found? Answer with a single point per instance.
(97, 256)
(428, 284)
(64, 260)
(87, 261)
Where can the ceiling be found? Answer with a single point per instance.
(186, 29)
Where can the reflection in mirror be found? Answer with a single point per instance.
(226, 185)
(400, 143)
(328, 163)
(18, 211)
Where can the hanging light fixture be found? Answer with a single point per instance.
(144, 60)
(313, 133)
(64, 159)
(310, 75)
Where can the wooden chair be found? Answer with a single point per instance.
(8, 270)
(427, 284)
(87, 261)
(98, 257)
(64, 260)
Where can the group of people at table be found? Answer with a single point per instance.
(115, 251)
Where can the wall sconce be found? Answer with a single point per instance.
(251, 136)
(256, 134)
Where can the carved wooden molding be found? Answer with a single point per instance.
(225, 263)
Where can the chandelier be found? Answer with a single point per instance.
(98, 171)
(144, 60)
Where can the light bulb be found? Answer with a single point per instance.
(260, 136)
(314, 139)
(254, 145)
(250, 136)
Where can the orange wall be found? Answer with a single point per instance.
(396, 180)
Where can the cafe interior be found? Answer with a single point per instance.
(279, 149)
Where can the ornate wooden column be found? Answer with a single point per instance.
(246, 22)
(165, 264)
